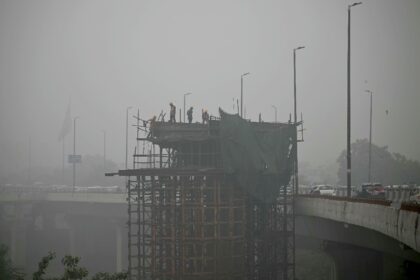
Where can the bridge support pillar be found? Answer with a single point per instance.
(119, 246)
(20, 223)
(353, 262)
(72, 241)
(18, 244)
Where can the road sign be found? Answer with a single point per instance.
(75, 159)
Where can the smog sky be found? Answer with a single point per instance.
(107, 55)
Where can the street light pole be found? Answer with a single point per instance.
(29, 161)
(296, 175)
(370, 137)
(242, 91)
(74, 151)
(185, 95)
(104, 132)
(348, 101)
(275, 112)
(126, 136)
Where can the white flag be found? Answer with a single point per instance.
(65, 129)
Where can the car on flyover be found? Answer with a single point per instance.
(323, 190)
(371, 190)
(415, 198)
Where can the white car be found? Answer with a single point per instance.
(324, 190)
(415, 198)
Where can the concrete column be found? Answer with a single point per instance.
(119, 247)
(72, 241)
(18, 238)
(18, 244)
(353, 262)
(333, 273)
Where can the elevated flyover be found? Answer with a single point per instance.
(366, 239)
(354, 224)
(401, 224)
(398, 223)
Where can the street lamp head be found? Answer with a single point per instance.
(188, 93)
(247, 73)
(299, 48)
(355, 4)
(368, 91)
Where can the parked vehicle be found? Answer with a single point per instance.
(323, 190)
(371, 190)
(415, 198)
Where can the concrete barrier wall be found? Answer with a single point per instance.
(88, 197)
(401, 225)
(408, 224)
(398, 194)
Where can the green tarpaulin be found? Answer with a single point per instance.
(260, 157)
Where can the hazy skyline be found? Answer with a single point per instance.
(107, 55)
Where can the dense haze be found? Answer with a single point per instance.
(107, 55)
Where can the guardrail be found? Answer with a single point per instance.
(61, 189)
(395, 194)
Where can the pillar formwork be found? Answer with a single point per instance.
(190, 219)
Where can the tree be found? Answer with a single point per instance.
(72, 271)
(42, 266)
(7, 270)
(387, 168)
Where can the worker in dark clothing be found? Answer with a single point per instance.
(204, 116)
(172, 113)
(152, 122)
(189, 114)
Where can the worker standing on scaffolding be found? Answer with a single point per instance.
(204, 116)
(189, 114)
(172, 113)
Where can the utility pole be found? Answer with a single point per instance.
(104, 132)
(348, 100)
(74, 151)
(29, 162)
(126, 136)
(370, 137)
(63, 155)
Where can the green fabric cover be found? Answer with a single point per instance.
(261, 161)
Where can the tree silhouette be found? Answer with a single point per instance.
(7, 270)
(387, 168)
(72, 270)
